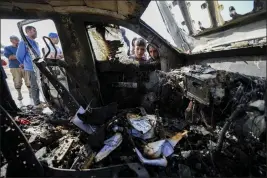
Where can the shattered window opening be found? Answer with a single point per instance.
(48, 91)
(177, 13)
(109, 44)
(199, 14)
(240, 8)
(152, 12)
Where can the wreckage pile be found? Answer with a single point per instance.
(205, 123)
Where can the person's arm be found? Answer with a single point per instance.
(21, 52)
(60, 56)
(60, 53)
(50, 55)
(8, 54)
(12, 57)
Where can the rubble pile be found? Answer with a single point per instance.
(205, 123)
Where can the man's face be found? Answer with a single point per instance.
(15, 42)
(32, 33)
(55, 40)
(153, 52)
(139, 51)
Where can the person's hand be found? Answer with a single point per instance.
(12, 57)
(21, 66)
(60, 56)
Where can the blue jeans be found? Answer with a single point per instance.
(34, 88)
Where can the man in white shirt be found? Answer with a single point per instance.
(56, 70)
(54, 38)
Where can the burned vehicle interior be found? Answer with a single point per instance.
(198, 112)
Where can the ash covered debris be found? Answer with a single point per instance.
(198, 122)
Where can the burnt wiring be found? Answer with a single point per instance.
(226, 126)
(28, 107)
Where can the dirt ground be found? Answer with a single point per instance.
(25, 93)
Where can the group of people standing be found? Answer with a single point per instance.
(21, 63)
(139, 48)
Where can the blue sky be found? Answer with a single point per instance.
(151, 16)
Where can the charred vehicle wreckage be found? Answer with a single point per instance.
(187, 115)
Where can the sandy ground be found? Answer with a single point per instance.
(25, 92)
